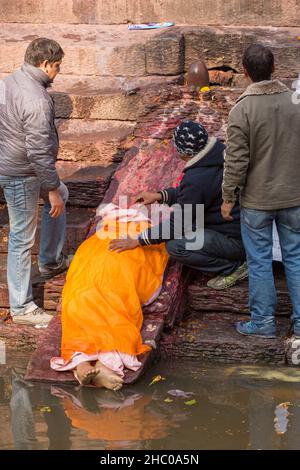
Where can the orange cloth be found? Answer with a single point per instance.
(102, 297)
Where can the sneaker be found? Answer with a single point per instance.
(37, 317)
(249, 328)
(224, 282)
(49, 273)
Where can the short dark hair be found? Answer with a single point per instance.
(42, 49)
(258, 60)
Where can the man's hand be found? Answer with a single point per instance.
(57, 204)
(148, 198)
(226, 209)
(123, 245)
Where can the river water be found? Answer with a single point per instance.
(190, 405)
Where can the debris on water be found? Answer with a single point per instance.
(156, 379)
(180, 393)
(190, 402)
(168, 400)
(281, 417)
(45, 409)
(282, 375)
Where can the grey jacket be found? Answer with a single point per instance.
(28, 136)
(262, 159)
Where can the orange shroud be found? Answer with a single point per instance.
(104, 291)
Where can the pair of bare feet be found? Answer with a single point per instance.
(98, 375)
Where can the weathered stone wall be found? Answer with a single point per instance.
(193, 12)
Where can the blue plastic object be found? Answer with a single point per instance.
(136, 27)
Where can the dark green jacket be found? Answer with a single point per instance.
(262, 159)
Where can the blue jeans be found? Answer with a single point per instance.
(256, 226)
(22, 196)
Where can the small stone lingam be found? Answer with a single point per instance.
(197, 77)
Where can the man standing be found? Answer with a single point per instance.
(262, 164)
(28, 150)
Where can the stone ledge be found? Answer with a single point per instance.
(211, 336)
(192, 12)
(234, 300)
(91, 140)
(115, 98)
(96, 50)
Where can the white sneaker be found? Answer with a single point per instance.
(37, 317)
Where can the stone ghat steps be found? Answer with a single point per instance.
(85, 140)
(113, 51)
(201, 298)
(193, 12)
(212, 336)
(78, 224)
(92, 141)
(207, 331)
(108, 98)
(87, 182)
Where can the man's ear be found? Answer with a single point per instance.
(43, 65)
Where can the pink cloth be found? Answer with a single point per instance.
(113, 360)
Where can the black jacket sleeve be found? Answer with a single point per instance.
(169, 196)
(188, 193)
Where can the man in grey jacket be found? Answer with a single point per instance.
(28, 150)
(262, 164)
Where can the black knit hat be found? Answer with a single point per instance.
(190, 137)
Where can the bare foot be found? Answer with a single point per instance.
(107, 378)
(85, 372)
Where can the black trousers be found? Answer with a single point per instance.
(220, 254)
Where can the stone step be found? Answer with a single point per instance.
(116, 98)
(108, 98)
(46, 293)
(212, 336)
(98, 50)
(201, 298)
(86, 182)
(78, 223)
(83, 140)
(191, 12)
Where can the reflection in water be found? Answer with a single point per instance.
(239, 407)
(114, 417)
(25, 398)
